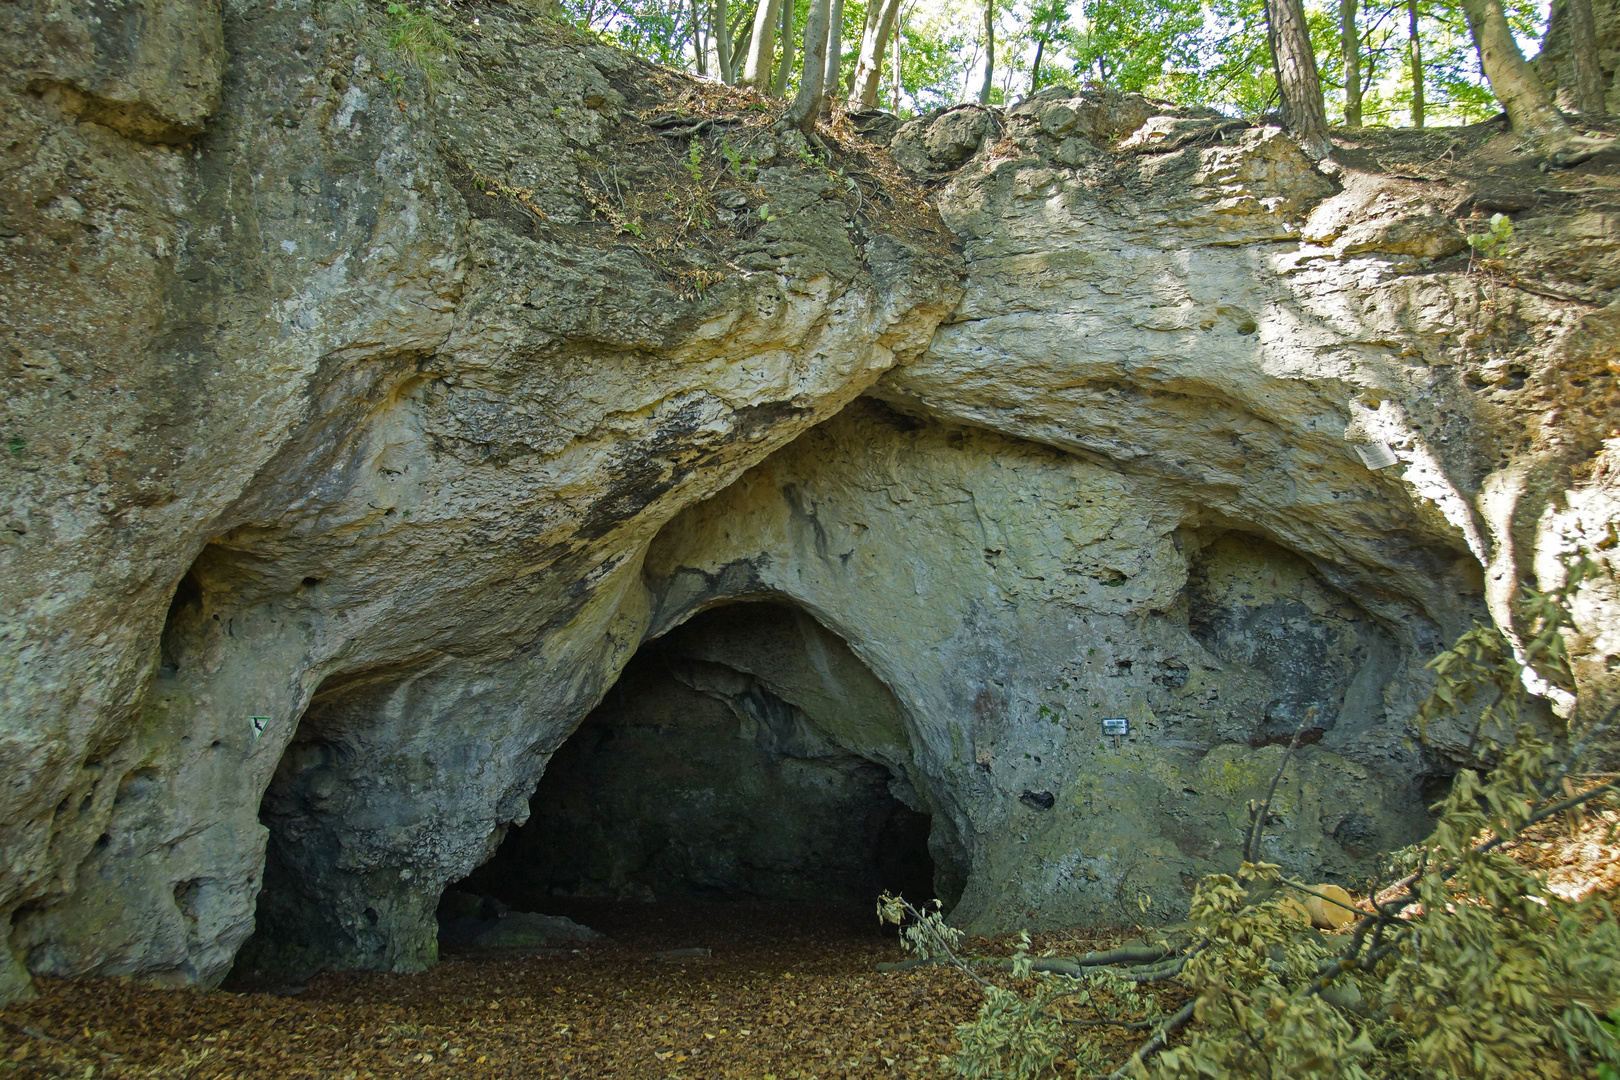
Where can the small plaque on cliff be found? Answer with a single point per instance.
(258, 724)
(1376, 455)
(1116, 727)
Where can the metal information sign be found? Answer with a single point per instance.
(1376, 455)
(1116, 727)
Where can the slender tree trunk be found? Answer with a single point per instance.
(1035, 68)
(874, 12)
(1301, 86)
(700, 47)
(806, 107)
(762, 48)
(989, 51)
(1415, 59)
(835, 56)
(895, 107)
(869, 70)
(722, 43)
(1584, 51)
(742, 35)
(784, 66)
(1524, 97)
(1350, 46)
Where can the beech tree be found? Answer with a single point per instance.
(1046, 22)
(835, 55)
(722, 43)
(1524, 97)
(989, 51)
(785, 64)
(880, 23)
(806, 107)
(762, 47)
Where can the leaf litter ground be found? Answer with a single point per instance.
(788, 991)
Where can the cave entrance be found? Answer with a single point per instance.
(746, 755)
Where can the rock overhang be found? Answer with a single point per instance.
(441, 416)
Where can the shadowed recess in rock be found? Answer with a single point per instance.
(748, 753)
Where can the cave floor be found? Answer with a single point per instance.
(789, 991)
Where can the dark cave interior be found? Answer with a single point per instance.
(746, 755)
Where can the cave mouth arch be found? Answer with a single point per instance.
(746, 754)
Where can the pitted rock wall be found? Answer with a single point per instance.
(304, 424)
(1012, 596)
(352, 450)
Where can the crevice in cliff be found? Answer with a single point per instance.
(747, 755)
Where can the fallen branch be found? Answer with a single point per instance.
(1053, 965)
(1388, 913)
(1259, 813)
(1160, 1039)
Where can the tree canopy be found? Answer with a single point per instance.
(1191, 52)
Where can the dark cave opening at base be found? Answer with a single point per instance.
(746, 766)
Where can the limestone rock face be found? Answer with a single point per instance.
(148, 69)
(310, 424)
(1283, 320)
(1039, 594)
(356, 438)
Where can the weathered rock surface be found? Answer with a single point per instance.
(301, 408)
(355, 443)
(1038, 594)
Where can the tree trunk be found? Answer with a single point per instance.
(874, 10)
(1303, 112)
(835, 56)
(1584, 51)
(806, 106)
(762, 49)
(722, 43)
(1035, 68)
(1525, 99)
(869, 70)
(784, 66)
(989, 51)
(1415, 45)
(896, 105)
(700, 47)
(742, 35)
(1350, 46)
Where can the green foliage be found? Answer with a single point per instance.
(925, 933)
(742, 168)
(1188, 52)
(1490, 242)
(419, 39)
(1465, 966)
(1148, 46)
(1606, 1071)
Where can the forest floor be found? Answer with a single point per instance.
(789, 991)
(785, 992)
